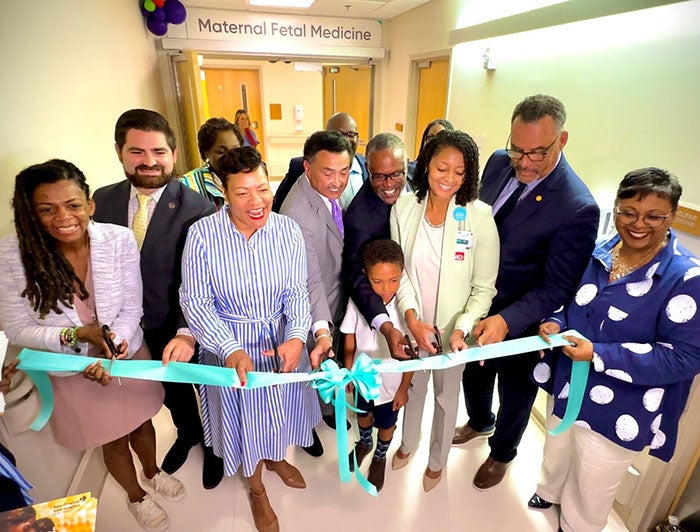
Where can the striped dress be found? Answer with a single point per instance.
(232, 289)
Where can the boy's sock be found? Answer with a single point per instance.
(366, 436)
(382, 448)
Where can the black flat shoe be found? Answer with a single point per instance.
(329, 419)
(212, 470)
(538, 503)
(176, 456)
(316, 448)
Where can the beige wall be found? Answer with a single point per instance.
(70, 69)
(281, 84)
(629, 83)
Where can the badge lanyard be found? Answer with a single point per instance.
(465, 239)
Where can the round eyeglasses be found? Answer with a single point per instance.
(650, 220)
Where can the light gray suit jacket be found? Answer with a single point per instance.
(116, 276)
(324, 250)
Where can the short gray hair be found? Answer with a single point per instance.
(534, 108)
(384, 141)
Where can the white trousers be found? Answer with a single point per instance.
(446, 384)
(581, 471)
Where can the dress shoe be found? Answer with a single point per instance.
(465, 433)
(263, 515)
(429, 482)
(316, 448)
(397, 462)
(490, 474)
(360, 451)
(176, 456)
(289, 474)
(329, 419)
(538, 503)
(376, 472)
(212, 470)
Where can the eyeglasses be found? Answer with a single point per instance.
(351, 135)
(650, 220)
(536, 156)
(394, 176)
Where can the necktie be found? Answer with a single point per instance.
(141, 219)
(509, 204)
(337, 216)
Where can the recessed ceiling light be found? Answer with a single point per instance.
(281, 3)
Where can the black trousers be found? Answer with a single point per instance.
(180, 398)
(516, 393)
(10, 493)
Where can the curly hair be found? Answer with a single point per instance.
(206, 136)
(383, 250)
(462, 142)
(50, 276)
(240, 160)
(645, 181)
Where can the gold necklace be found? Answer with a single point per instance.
(618, 271)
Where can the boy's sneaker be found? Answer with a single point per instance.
(165, 485)
(149, 514)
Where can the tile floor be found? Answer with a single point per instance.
(326, 504)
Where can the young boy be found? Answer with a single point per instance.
(383, 264)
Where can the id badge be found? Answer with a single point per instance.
(464, 242)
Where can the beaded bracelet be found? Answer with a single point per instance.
(69, 337)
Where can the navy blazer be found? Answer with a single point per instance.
(178, 208)
(546, 243)
(366, 219)
(296, 168)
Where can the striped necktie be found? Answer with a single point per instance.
(141, 219)
(337, 214)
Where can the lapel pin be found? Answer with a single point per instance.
(172, 204)
(538, 198)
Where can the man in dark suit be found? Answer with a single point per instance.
(160, 210)
(547, 223)
(367, 219)
(346, 126)
(313, 204)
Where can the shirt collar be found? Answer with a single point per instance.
(155, 195)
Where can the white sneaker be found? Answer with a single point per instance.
(149, 514)
(165, 485)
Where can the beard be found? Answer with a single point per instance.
(149, 182)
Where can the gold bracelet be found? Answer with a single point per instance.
(322, 335)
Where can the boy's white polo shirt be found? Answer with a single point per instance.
(372, 342)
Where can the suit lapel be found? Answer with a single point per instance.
(119, 203)
(319, 206)
(163, 214)
(540, 197)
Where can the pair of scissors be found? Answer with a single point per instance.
(437, 344)
(410, 350)
(275, 348)
(113, 352)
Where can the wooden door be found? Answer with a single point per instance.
(348, 89)
(433, 78)
(231, 89)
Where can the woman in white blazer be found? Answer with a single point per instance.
(61, 278)
(451, 249)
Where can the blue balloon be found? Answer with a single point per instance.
(159, 14)
(157, 27)
(175, 11)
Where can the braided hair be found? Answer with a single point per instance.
(50, 276)
(462, 142)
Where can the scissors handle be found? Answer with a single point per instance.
(106, 334)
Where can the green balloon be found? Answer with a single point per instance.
(149, 6)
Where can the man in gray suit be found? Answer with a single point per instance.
(313, 203)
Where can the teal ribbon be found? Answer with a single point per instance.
(331, 385)
(330, 380)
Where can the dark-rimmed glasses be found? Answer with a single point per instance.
(536, 156)
(650, 220)
(350, 135)
(383, 178)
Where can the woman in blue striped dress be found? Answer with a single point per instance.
(244, 280)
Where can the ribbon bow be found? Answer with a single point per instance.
(331, 383)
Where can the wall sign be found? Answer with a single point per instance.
(687, 220)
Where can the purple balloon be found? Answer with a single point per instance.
(159, 14)
(157, 27)
(144, 12)
(175, 11)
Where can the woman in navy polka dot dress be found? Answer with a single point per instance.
(637, 305)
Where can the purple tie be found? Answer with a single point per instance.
(337, 216)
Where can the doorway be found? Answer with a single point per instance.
(433, 82)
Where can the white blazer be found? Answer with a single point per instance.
(116, 276)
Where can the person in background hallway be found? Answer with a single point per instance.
(450, 244)
(239, 323)
(62, 278)
(346, 126)
(215, 137)
(367, 219)
(160, 209)
(637, 307)
(383, 264)
(313, 204)
(432, 129)
(547, 222)
(243, 122)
